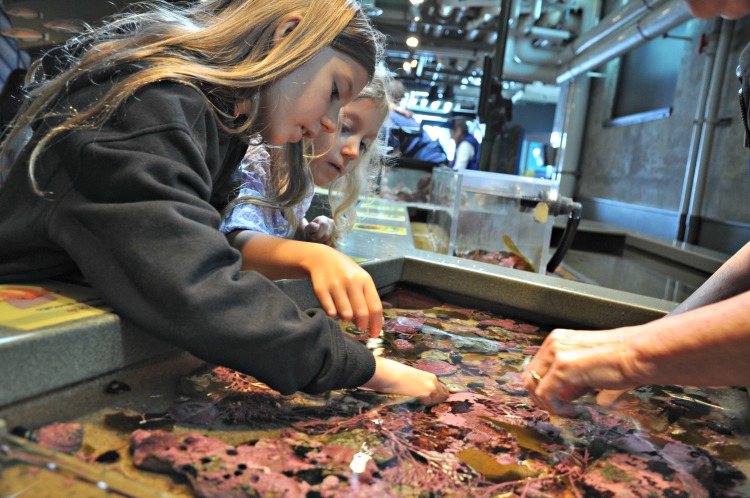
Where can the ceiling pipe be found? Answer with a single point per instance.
(616, 20)
(524, 52)
(526, 64)
(536, 11)
(653, 24)
(548, 33)
(469, 3)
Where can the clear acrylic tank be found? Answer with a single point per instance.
(492, 213)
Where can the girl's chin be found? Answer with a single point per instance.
(277, 140)
(322, 181)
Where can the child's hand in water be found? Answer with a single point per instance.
(344, 288)
(319, 230)
(392, 377)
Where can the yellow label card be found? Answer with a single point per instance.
(382, 216)
(28, 307)
(380, 228)
(379, 206)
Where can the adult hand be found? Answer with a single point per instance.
(392, 377)
(571, 363)
(320, 230)
(729, 9)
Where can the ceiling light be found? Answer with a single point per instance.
(407, 66)
(412, 41)
(416, 2)
(414, 63)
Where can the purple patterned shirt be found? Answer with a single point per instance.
(256, 182)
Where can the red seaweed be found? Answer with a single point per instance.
(62, 437)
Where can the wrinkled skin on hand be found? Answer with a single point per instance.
(729, 9)
(572, 363)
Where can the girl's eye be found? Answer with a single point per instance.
(335, 92)
(363, 147)
(346, 128)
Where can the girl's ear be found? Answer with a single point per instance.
(285, 27)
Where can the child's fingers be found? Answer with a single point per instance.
(360, 310)
(327, 303)
(342, 305)
(375, 307)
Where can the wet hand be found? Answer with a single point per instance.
(345, 290)
(572, 363)
(392, 377)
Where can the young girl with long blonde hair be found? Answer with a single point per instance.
(119, 164)
(341, 162)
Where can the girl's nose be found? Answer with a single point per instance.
(350, 151)
(327, 124)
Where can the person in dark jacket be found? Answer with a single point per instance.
(406, 137)
(467, 147)
(133, 133)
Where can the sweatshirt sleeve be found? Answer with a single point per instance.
(138, 222)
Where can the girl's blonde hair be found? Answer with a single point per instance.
(224, 48)
(344, 192)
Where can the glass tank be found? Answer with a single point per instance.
(492, 217)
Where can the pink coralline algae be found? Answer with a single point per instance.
(65, 438)
(487, 439)
(639, 476)
(508, 324)
(404, 326)
(216, 469)
(402, 345)
(500, 258)
(437, 367)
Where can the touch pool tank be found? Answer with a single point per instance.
(478, 211)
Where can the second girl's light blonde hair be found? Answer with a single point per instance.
(344, 192)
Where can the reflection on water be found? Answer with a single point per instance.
(637, 272)
(222, 433)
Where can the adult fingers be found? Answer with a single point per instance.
(608, 396)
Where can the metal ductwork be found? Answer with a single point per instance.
(616, 20)
(656, 22)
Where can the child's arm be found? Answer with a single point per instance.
(392, 377)
(343, 288)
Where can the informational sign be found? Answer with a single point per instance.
(29, 307)
(380, 228)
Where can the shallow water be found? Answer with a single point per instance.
(216, 432)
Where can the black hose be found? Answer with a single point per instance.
(574, 218)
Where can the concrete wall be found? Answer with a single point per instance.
(633, 175)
